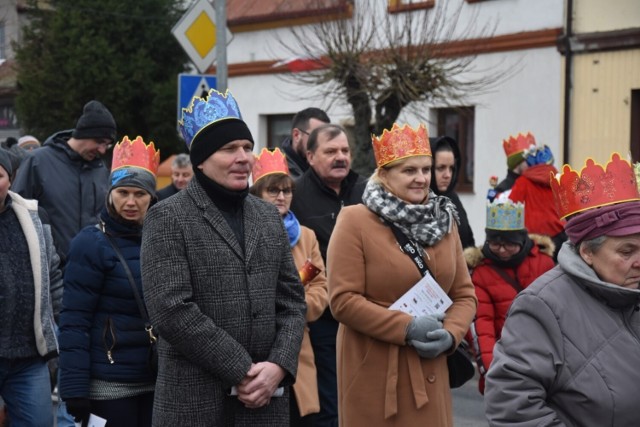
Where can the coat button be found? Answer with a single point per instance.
(431, 378)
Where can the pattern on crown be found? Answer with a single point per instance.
(400, 143)
(269, 162)
(594, 186)
(518, 144)
(204, 112)
(136, 153)
(505, 215)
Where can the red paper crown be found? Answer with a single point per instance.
(269, 162)
(595, 186)
(400, 143)
(518, 144)
(135, 153)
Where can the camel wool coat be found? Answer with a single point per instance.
(317, 299)
(381, 380)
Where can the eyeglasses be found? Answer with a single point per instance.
(275, 191)
(106, 143)
(303, 131)
(495, 246)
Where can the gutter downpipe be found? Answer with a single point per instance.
(568, 84)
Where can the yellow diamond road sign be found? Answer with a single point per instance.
(196, 33)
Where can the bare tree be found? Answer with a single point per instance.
(382, 63)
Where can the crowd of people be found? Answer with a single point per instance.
(263, 289)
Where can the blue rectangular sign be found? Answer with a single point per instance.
(190, 85)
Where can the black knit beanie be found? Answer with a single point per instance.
(96, 122)
(507, 236)
(213, 137)
(5, 161)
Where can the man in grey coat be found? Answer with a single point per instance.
(221, 286)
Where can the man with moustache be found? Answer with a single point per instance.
(221, 286)
(320, 193)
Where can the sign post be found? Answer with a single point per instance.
(196, 33)
(190, 85)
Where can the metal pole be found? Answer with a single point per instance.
(221, 45)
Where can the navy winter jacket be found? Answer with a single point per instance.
(102, 333)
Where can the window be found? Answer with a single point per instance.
(635, 125)
(397, 6)
(278, 128)
(458, 123)
(3, 53)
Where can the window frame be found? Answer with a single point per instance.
(464, 134)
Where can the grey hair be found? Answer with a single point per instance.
(181, 161)
(592, 245)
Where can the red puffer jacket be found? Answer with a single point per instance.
(495, 295)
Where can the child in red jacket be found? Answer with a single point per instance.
(509, 261)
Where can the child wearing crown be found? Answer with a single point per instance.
(569, 347)
(392, 366)
(104, 347)
(509, 261)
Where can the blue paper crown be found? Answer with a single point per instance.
(505, 216)
(539, 156)
(204, 112)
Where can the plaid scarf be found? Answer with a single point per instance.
(425, 224)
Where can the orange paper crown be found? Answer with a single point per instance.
(518, 144)
(135, 153)
(595, 186)
(269, 162)
(400, 143)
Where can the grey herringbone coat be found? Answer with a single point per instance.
(218, 308)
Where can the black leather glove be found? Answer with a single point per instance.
(420, 326)
(79, 408)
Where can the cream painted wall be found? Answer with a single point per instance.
(601, 106)
(605, 15)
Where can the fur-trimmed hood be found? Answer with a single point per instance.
(474, 255)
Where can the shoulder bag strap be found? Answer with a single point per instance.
(409, 248)
(143, 312)
(515, 284)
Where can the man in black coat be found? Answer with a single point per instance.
(320, 193)
(295, 146)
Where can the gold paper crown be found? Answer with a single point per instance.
(268, 163)
(594, 186)
(518, 144)
(135, 153)
(400, 143)
(505, 215)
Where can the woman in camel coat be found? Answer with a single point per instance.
(392, 369)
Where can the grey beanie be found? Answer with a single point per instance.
(96, 122)
(131, 176)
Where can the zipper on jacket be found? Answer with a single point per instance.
(108, 330)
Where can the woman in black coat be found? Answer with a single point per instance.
(444, 176)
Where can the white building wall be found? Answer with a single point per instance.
(530, 100)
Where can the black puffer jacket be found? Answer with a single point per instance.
(466, 234)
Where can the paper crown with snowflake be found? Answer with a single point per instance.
(211, 122)
(135, 164)
(594, 186)
(400, 143)
(515, 146)
(269, 163)
(505, 215)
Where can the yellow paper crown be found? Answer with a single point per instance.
(268, 163)
(594, 186)
(400, 143)
(505, 215)
(137, 154)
